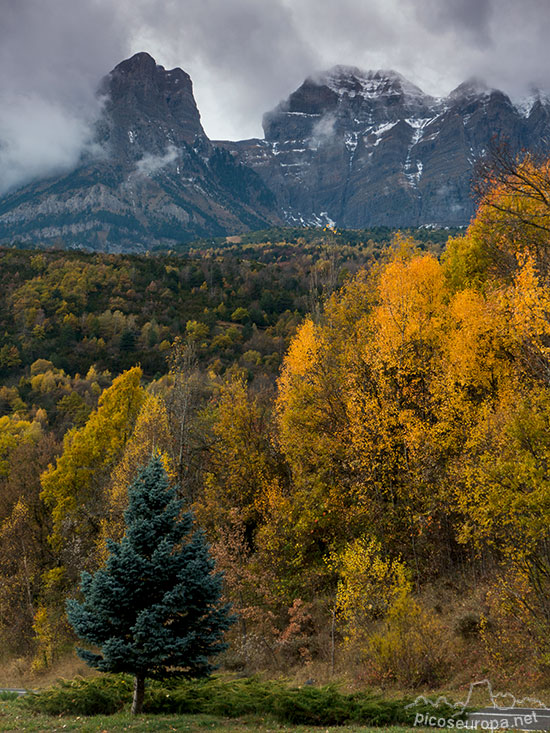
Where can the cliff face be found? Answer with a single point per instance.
(154, 179)
(370, 148)
(348, 147)
(146, 106)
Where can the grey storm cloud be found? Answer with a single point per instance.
(471, 17)
(51, 55)
(244, 56)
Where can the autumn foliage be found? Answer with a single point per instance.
(391, 487)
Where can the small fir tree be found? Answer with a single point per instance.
(154, 609)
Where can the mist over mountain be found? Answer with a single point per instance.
(349, 147)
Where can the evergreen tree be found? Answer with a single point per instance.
(153, 610)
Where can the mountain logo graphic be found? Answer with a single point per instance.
(498, 700)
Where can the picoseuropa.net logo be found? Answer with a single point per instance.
(493, 711)
(495, 723)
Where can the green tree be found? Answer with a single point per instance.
(154, 609)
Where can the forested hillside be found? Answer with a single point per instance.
(364, 434)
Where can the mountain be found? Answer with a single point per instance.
(349, 147)
(366, 148)
(155, 177)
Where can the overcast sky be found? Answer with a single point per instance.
(244, 56)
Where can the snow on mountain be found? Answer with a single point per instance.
(374, 84)
(524, 103)
(474, 87)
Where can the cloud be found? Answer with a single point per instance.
(471, 17)
(243, 56)
(323, 130)
(38, 138)
(151, 164)
(52, 56)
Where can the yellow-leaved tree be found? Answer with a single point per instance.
(151, 435)
(75, 487)
(75, 490)
(368, 583)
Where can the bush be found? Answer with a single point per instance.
(411, 648)
(295, 705)
(6, 695)
(97, 696)
(368, 584)
(314, 706)
(468, 626)
(230, 699)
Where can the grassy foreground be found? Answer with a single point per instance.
(16, 717)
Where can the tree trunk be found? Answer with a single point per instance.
(332, 630)
(139, 691)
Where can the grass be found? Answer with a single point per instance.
(17, 672)
(15, 716)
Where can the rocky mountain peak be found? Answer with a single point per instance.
(368, 84)
(140, 64)
(362, 147)
(142, 67)
(148, 108)
(348, 147)
(532, 102)
(157, 180)
(474, 87)
(346, 99)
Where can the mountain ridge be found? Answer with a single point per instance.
(370, 148)
(348, 147)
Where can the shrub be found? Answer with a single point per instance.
(468, 626)
(368, 584)
(410, 649)
(231, 699)
(295, 705)
(314, 706)
(6, 695)
(102, 696)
